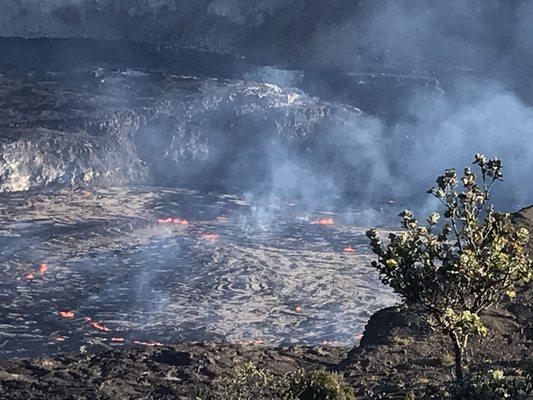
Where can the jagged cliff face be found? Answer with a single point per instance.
(130, 127)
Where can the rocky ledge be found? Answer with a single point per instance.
(98, 126)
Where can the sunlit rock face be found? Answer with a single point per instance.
(132, 127)
(41, 157)
(56, 130)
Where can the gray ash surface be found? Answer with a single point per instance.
(236, 272)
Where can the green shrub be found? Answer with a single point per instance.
(455, 270)
(495, 385)
(248, 382)
(320, 385)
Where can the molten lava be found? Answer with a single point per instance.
(349, 249)
(324, 221)
(176, 221)
(66, 314)
(30, 275)
(98, 326)
(212, 237)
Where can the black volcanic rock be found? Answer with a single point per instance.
(173, 372)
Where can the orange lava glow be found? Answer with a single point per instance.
(30, 276)
(100, 327)
(66, 314)
(298, 309)
(87, 319)
(324, 221)
(43, 268)
(349, 249)
(212, 237)
(176, 221)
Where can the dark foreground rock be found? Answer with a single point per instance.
(175, 372)
(398, 356)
